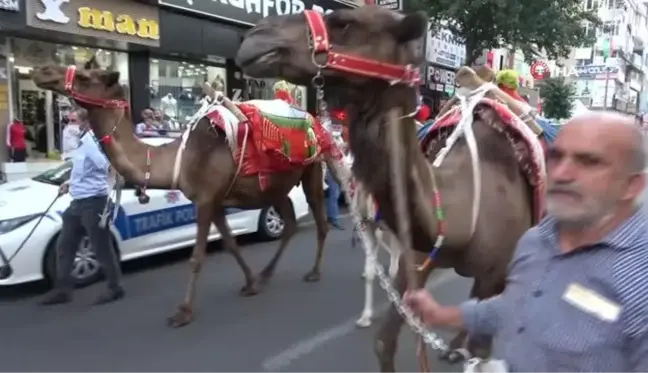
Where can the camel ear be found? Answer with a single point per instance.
(338, 18)
(411, 27)
(110, 78)
(92, 63)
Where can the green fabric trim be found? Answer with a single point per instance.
(298, 123)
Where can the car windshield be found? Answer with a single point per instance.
(55, 176)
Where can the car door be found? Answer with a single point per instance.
(153, 226)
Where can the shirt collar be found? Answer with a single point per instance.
(631, 233)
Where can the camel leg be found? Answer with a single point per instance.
(251, 286)
(464, 344)
(287, 213)
(480, 346)
(184, 314)
(369, 275)
(314, 191)
(386, 341)
(394, 253)
(458, 346)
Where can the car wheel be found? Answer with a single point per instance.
(86, 269)
(271, 225)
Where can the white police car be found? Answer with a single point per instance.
(166, 223)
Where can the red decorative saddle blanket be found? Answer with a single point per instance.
(275, 143)
(531, 158)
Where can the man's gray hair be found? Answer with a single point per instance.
(82, 115)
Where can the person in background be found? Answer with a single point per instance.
(332, 198)
(88, 186)
(17, 136)
(71, 135)
(575, 297)
(159, 121)
(147, 123)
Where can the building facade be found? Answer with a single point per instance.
(610, 74)
(444, 54)
(164, 52)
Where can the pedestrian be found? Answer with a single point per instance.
(146, 125)
(159, 121)
(71, 136)
(88, 186)
(575, 298)
(332, 198)
(17, 136)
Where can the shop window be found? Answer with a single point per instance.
(263, 89)
(42, 111)
(176, 88)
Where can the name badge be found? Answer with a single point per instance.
(591, 302)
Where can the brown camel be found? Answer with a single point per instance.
(359, 54)
(207, 174)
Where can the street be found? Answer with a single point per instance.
(290, 326)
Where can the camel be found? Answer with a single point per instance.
(205, 169)
(368, 58)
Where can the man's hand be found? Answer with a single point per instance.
(63, 189)
(431, 312)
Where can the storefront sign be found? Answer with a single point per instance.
(539, 70)
(10, 5)
(440, 79)
(594, 72)
(445, 49)
(120, 20)
(249, 12)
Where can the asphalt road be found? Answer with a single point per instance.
(290, 326)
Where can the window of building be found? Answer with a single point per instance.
(177, 88)
(43, 112)
(591, 4)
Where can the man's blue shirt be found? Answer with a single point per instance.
(537, 325)
(89, 176)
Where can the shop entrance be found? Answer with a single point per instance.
(44, 113)
(36, 109)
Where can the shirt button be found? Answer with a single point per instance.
(537, 293)
(521, 330)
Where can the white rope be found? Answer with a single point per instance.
(178, 158)
(467, 104)
(207, 105)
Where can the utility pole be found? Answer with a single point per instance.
(607, 52)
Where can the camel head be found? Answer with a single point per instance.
(89, 87)
(281, 46)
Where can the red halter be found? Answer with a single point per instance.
(100, 102)
(320, 43)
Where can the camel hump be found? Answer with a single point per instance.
(279, 108)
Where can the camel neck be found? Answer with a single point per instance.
(128, 154)
(368, 130)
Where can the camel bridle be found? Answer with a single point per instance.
(320, 44)
(106, 139)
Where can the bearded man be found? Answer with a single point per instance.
(576, 297)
